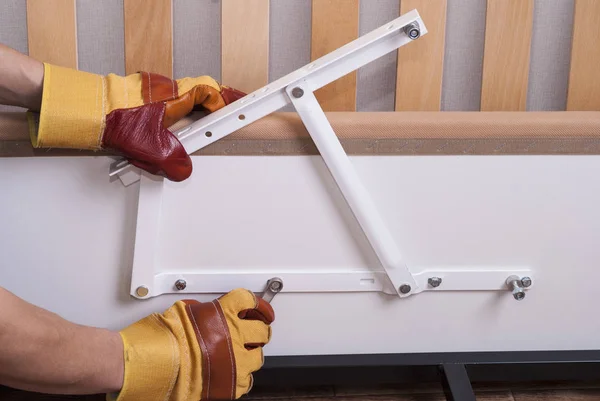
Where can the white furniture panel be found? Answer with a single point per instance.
(67, 239)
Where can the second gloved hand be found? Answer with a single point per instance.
(128, 116)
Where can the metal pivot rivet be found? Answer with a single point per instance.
(297, 92)
(180, 284)
(434, 281)
(413, 30)
(514, 284)
(405, 289)
(141, 291)
(526, 282)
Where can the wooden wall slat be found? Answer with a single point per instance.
(421, 64)
(506, 56)
(52, 31)
(245, 44)
(148, 36)
(335, 23)
(584, 78)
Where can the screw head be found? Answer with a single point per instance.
(275, 285)
(405, 289)
(413, 30)
(141, 291)
(434, 281)
(180, 284)
(297, 92)
(518, 294)
(526, 282)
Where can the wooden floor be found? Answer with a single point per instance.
(425, 392)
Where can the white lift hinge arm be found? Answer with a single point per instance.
(297, 88)
(272, 97)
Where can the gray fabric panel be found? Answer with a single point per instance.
(289, 37)
(100, 36)
(13, 31)
(550, 55)
(376, 86)
(463, 65)
(197, 38)
(13, 24)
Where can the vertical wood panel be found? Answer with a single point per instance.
(506, 55)
(584, 79)
(335, 23)
(245, 44)
(52, 31)
(148, 36)
(421, 64)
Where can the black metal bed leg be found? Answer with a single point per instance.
(457, 385)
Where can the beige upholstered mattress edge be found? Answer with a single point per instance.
(388, 133)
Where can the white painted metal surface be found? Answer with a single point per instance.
(67, 238)
(148, 280)
(147, 272)
(273, 97)
(210, 280)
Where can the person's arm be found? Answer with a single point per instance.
(21, 79)
(42, 352)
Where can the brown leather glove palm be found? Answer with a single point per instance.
(128, 115)
(197, 351)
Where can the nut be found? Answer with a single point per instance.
(518, 294)
(526, 282)
(434, 281)
(405, 289)
(275, 286)
(413, 30)
(180, 284)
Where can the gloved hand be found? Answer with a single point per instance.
(196, 351)
(127, 115)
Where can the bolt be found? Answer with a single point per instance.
(434, 281)
(180, 284)
(526, 282)
(141, 291)
(405, 289)
(297, 92)
(514, 284)
(275, 285)
(413, 30)
(518, 294)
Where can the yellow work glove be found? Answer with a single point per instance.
(128, 116)
(196, 351)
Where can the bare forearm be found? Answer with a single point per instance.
(40, 351)
(21, 79)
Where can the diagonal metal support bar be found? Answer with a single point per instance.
(349, 184)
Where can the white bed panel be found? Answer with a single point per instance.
(67, 237)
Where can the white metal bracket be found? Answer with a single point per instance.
(298, 89)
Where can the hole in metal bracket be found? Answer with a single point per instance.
(242, 117)
(367, 281)
(208, 134)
